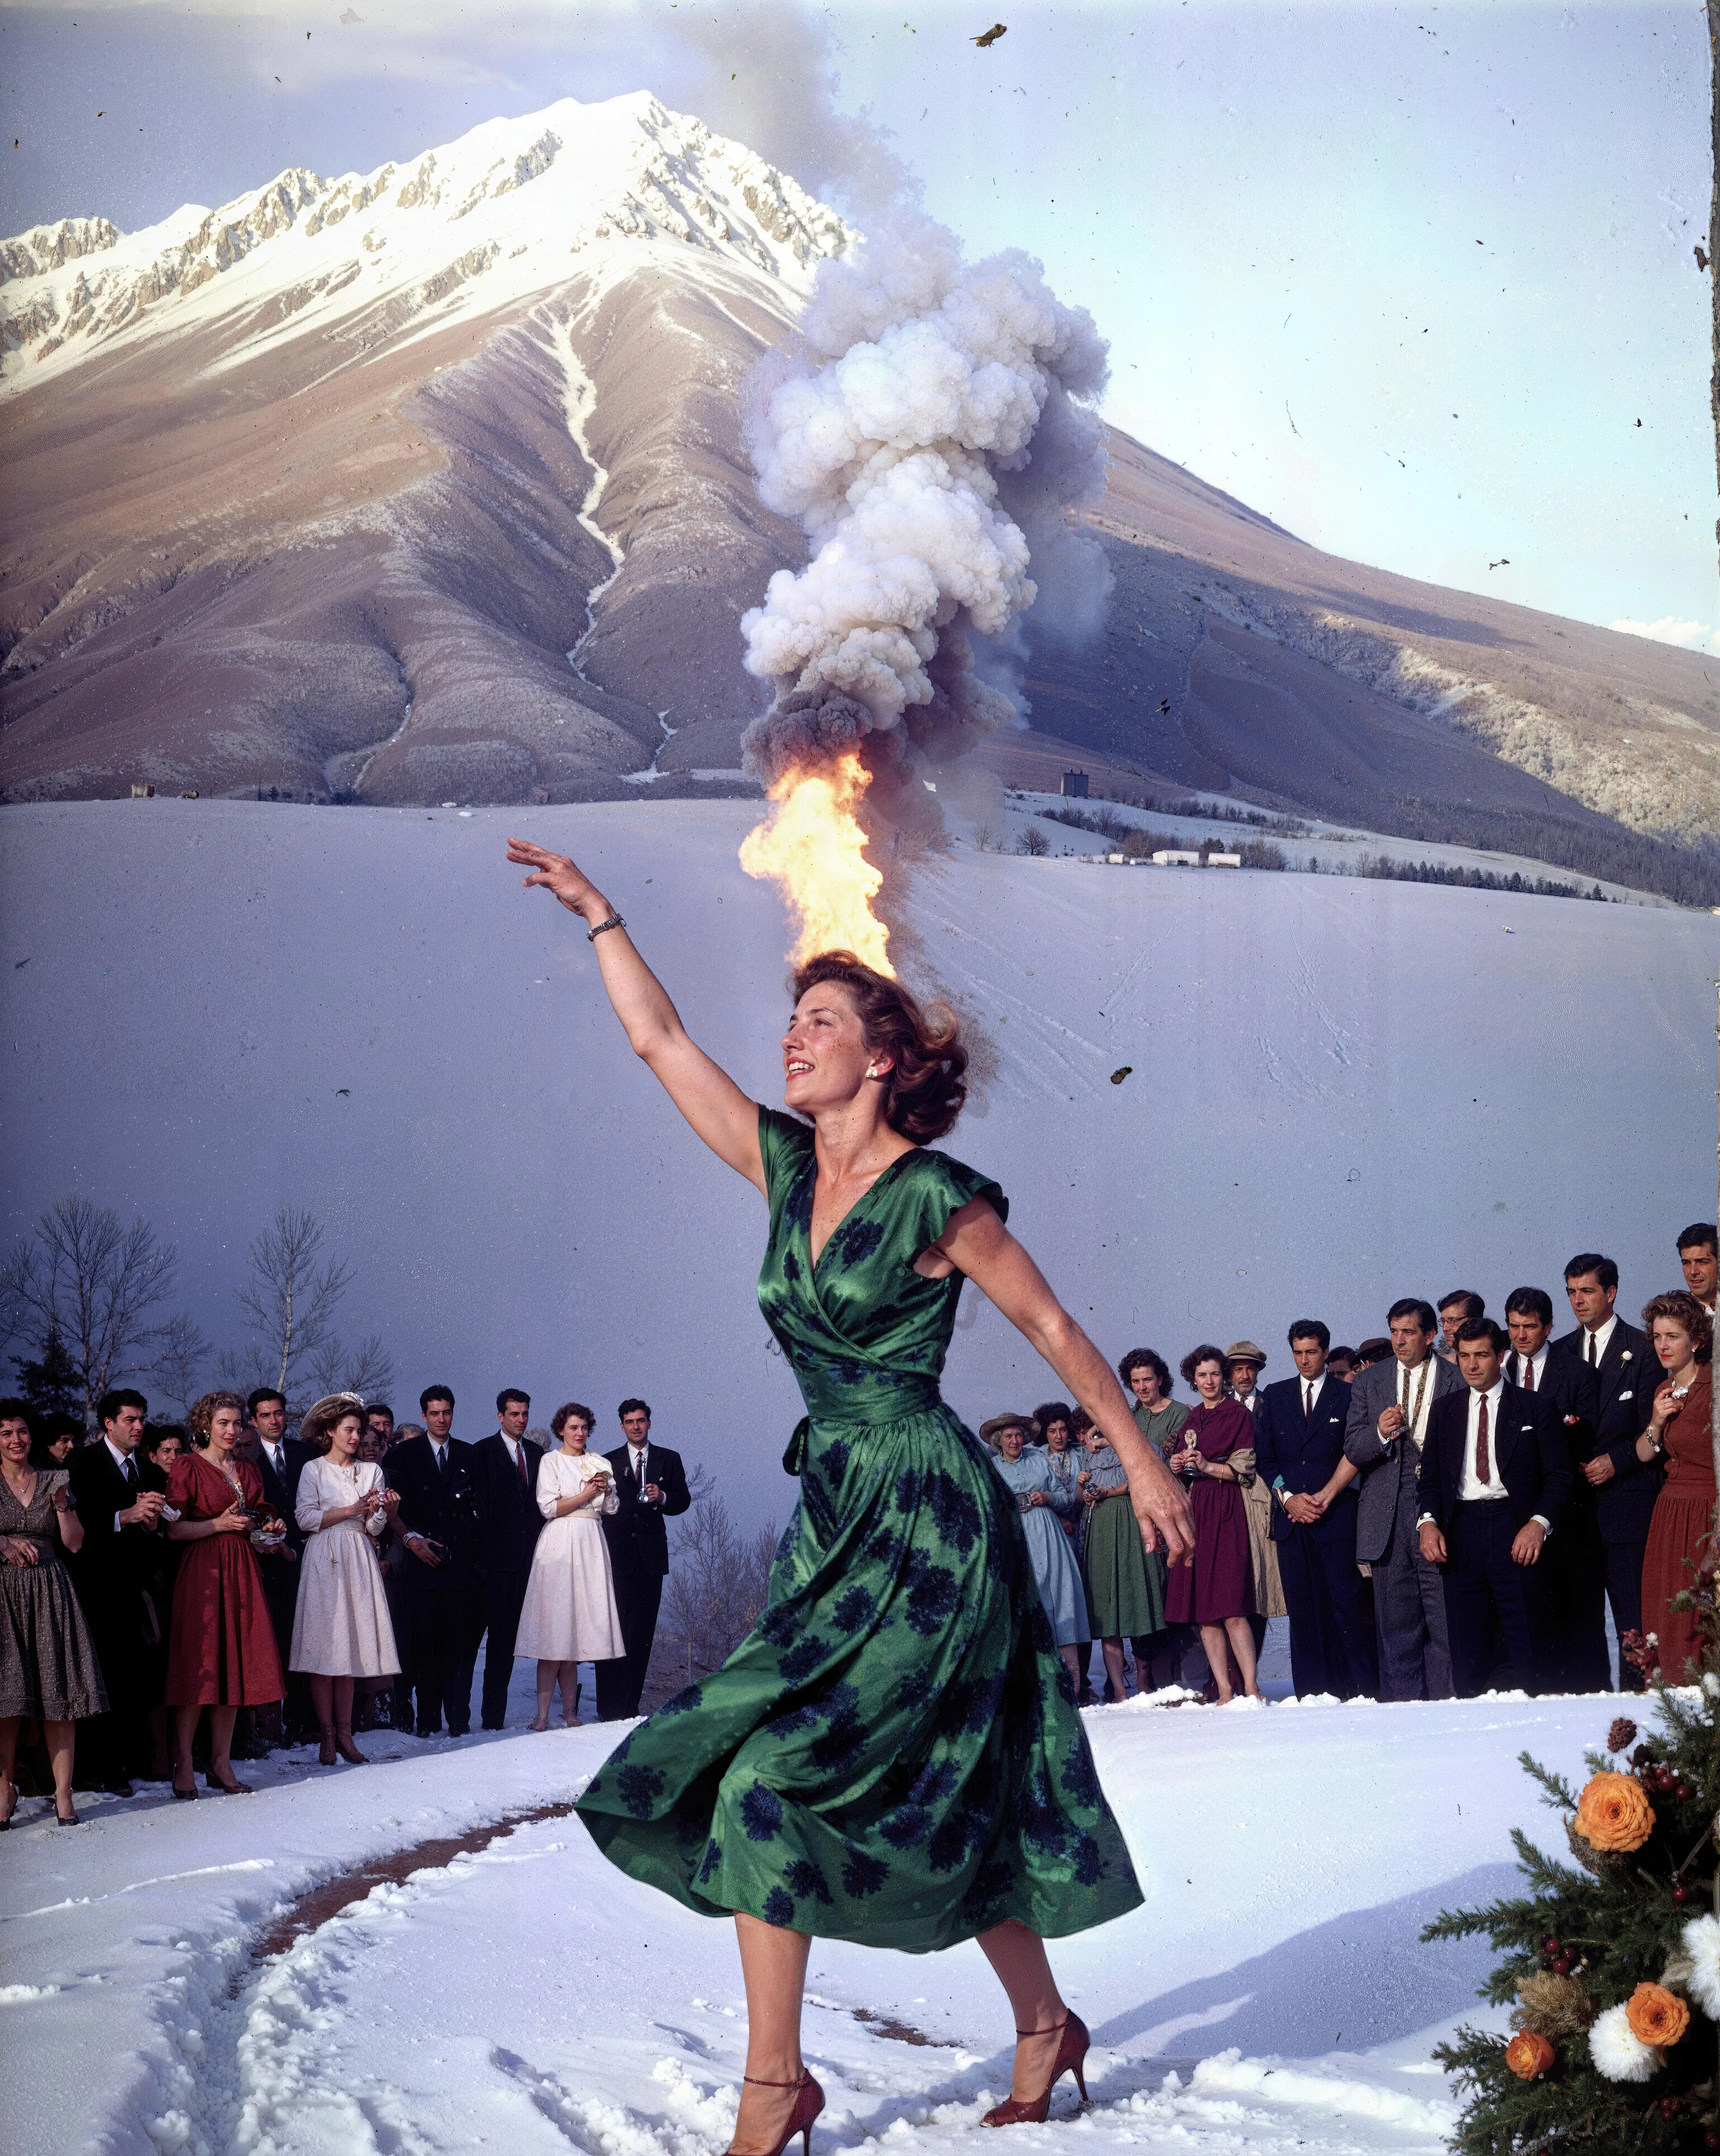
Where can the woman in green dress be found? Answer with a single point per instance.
(893, 1755)
(1158, 1656)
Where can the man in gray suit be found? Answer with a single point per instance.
(1389, 1407)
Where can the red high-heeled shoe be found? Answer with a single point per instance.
(808, 2105)
(1071, 2059)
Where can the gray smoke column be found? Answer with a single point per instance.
(929, 441)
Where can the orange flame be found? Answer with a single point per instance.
(812, 846)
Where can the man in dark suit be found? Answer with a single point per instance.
(1699, 1254)
(652, 1486)
(1298, 1443)
(119, 1562)
(437, 1520)
(1574, 1566)
(278, 1460)
(1625, 1374)
(1389, 1407)
(1495, 1475)
(505, 1472)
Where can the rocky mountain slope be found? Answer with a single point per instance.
(427, 484)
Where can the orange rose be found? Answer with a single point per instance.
(1612, 1813)
(1657, 2016)
(1529, 2055)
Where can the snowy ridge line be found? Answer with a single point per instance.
(513, 208)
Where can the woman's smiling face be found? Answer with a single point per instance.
(825, 1058)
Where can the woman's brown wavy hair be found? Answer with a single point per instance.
(1683, 1309)
(927, 1085)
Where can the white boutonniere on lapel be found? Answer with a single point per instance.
(1626, 1356)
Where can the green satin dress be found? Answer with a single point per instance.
(893, 1754)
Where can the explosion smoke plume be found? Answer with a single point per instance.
(930, 443)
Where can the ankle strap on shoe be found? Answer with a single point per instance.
(757, 2083)
(1050, 2031)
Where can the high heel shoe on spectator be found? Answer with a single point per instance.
(326, 1754)
(1071, 2059)
(232, 1789)
(185, 1796)
(348, 1750)
(66, 1819)
(809, 2101)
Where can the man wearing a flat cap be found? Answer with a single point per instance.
(1243, 1363)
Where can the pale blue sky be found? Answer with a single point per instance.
(1404, 277)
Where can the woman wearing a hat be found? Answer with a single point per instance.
(341, 1629)
(1041, 1496)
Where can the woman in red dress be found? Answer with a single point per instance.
(1680, 1433)
(1215, 1590)
(221, 1650)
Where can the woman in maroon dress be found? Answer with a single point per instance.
(1680, 1434)
(221, 1650)
(1215, 1590)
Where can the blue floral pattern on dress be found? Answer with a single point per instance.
(893, 1753)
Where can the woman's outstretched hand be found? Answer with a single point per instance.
(557, 873)
(1162, 1510)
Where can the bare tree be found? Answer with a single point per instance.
(288, 1298)
(717, 1580)
(181, 1356)
(83, 1274)
(364, 1368)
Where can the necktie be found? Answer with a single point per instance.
(1526, 1372)
(130, 1472)
(520, 1461)
(1308, 1399)
(1483, 1464)
(442, 1461)
(1589, 1351)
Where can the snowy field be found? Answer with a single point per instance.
(1269, 1995)
(1340, 1091)
(1337, 1092)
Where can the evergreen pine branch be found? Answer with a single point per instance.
(1560, 1795)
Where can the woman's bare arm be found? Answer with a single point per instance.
(704, 1093)
(977, 1243)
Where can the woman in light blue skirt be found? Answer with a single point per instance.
(1042, 1496)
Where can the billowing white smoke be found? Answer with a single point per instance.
(929, 446)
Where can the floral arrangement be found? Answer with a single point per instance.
(1610, 1963)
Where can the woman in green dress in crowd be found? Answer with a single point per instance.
(893, 1755)
(1158, 1658)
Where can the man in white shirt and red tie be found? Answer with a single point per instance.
(1576, 1562)
(1496, 1474)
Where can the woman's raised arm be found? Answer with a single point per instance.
(977, 1243)
(704, 1093)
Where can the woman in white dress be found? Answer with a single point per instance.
(569, 1615)
(341, 1629)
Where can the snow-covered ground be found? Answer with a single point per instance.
(1270, 1995)
(1339, 1091)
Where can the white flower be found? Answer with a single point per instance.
(1701, 1942)
(1617, 2053)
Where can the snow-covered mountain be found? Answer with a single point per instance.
(504, 212)
(428, 484)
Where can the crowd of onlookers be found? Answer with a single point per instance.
(1453, 1505)
(189, 1594)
